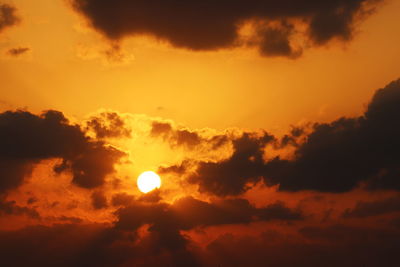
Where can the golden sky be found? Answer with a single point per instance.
(272, 124)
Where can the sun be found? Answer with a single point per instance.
(148, 181)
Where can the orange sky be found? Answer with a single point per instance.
(247, 178)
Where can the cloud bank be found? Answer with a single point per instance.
(210, 25)
(335, 157)
(225, 220)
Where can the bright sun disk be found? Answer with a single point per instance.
(148, 181)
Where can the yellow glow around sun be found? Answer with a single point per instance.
(148, 181)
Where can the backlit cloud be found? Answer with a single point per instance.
(212, 25)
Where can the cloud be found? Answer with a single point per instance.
(104, 245)
(231, 176)
(330, 157)
(11, 208)
(177, 137)
(108, 125)
(184, 137)
(338, 156)
(153, 196)
(122, 199)
(188, 213)
(79, 243)
(110, 55)
(18, 51)
(275, 40)
(26, 139)
(8, 16)
(330, 246)
(147, 230)
(99, 200)
(365, 209)
(192, 213)
(166, 221)
(179, 169)
(87, 245)
(213, 25)
(31, 200)
(272, 228)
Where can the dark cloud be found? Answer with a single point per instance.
(192, 213)
(179, 169)
(177, 137)
(104, 245)
(184, 137)
(365, 209)
(31, 200)
(18, 51)
(275, 41)
(8, 16)
(108, 124)
(11, 208)
(188, 213)
(231, 176)
(26, 139)
(337, 156)
(99, 200)
(69, 219)
(211, 25)
(329, 246)
(292, 138)
(153, 196)
(336, 22)
(64, 245)
(122, 199)
(330, 157)
(87, 245)
(279, 211)
(164, 230)
(160, 128)
(167, 220)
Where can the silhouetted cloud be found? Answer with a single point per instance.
(11, 208)
(26, 139)
(275, 41)
(122, 199)
(99, 200)
(87, 245)
(188, 213)
(179, 169)
(148, 231)
(69, 219)
(337, 156)
(167, 220)
(8, 16)
(211, 25)
(18, 51)
(108, 124)
(333, 157)
(104, 245)
(373, 208)
(184, 137)
(61, 245)
(329, 246)
(231, 176)
(31, 200)
(152, 197)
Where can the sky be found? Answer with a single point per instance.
(272, 124)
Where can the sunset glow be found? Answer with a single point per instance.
(244, 133)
